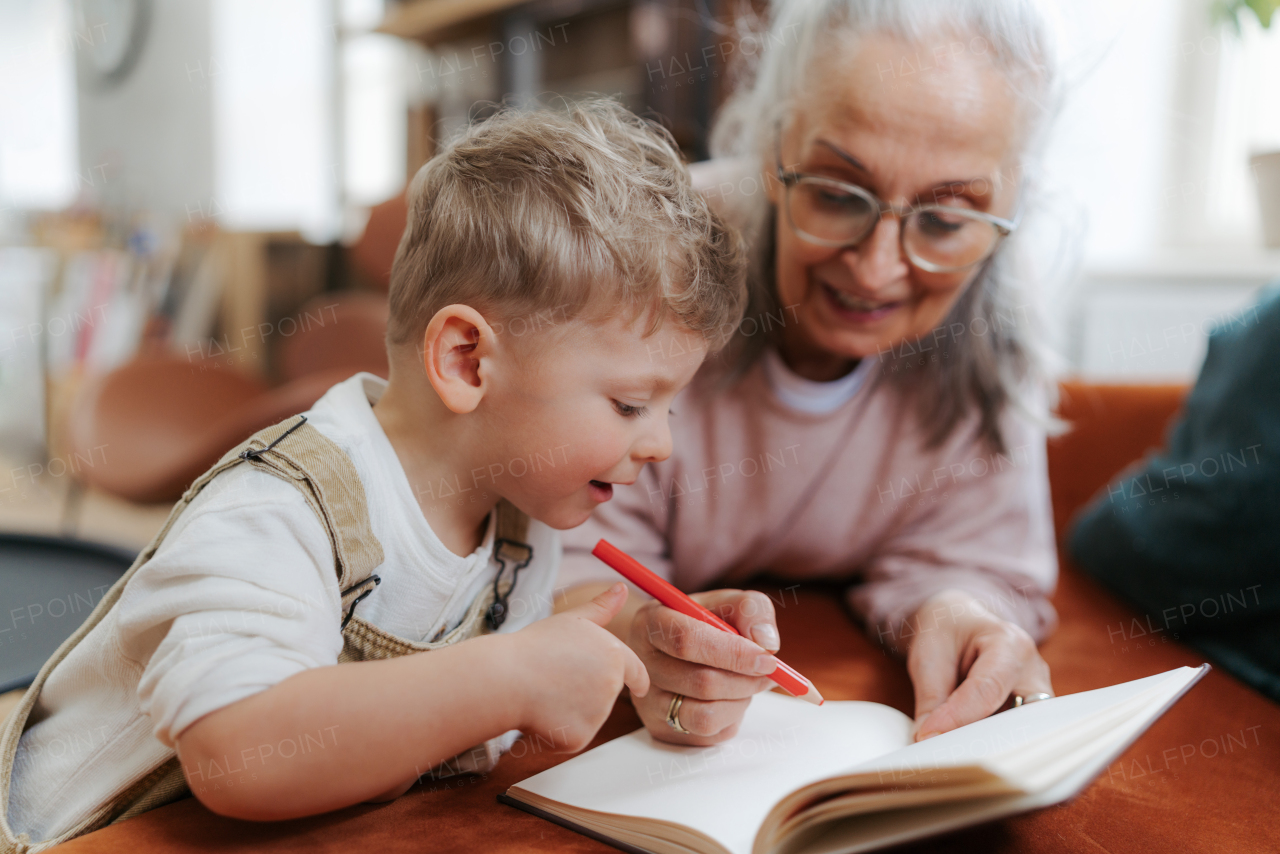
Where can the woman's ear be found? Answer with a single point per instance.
(457, 347)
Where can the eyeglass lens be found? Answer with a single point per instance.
(941, 238)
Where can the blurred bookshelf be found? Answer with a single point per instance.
(671, 60)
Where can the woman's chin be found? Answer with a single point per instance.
(850, 340)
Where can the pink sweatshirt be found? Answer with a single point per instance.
(755, 484)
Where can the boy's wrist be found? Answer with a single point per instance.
(506, 658)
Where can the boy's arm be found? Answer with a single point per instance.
(338, 735)
(333, 736)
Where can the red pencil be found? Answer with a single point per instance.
(671, 596)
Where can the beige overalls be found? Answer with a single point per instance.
(301, 455)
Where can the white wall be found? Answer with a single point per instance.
(1148, 165)
(38, 160)
(1109, 153)
(150, 139)
(276, 133)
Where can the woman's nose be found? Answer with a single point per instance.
(877, 262)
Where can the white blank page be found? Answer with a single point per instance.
(726, 791)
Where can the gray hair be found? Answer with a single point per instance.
(1001, 365)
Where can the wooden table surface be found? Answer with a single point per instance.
(1187, 785)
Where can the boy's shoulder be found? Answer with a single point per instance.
(251, 490)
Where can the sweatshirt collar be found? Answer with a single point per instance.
(804, 395)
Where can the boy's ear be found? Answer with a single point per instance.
(457, 345)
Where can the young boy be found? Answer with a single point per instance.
(559, 281)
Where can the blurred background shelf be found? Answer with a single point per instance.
(189, 184)
(431, 20)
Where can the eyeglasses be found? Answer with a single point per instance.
(936, 238)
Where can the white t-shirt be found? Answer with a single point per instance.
(241, 595)
(815, 398)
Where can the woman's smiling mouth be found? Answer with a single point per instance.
(857, 309)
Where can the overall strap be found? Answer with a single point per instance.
(298, 453)
(513, 524)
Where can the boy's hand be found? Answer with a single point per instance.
(571, 669)
(716, 672)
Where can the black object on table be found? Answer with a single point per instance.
(48, 587)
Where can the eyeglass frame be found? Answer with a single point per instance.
(789, 178)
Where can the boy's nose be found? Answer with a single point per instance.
(655, 445)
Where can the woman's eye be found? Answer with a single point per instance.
(939, 223)
(835, 198)
(626, 410)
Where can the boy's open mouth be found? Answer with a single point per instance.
(600, 490)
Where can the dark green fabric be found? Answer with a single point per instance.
(1191, 536)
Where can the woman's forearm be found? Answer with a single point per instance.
(335, 736)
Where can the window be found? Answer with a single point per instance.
(38, 158)
(309, 114)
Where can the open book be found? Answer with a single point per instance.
(844, 776)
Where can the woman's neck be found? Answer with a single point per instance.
(805, 360)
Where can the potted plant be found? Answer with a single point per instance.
(1265, 166)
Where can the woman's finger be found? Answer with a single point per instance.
(987, 684)
(933, 664)
(704, 683)
(1034, 679)
(693, 640)
(706, 722)
(749, 611)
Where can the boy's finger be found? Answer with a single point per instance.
(749, 611)
(604, 607)
(694, 641)
(634, 674)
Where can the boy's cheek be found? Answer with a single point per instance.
(553, 485)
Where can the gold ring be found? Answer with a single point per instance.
(1019, 700)
(673, 715)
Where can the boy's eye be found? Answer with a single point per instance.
(628, 411)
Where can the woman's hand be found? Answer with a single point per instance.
(569, 670)
(961, 639)
(716, 672)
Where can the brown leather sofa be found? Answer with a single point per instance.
(1187, 785)
(156, 423)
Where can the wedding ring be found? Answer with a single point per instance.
(673, 715)
(1019, 700)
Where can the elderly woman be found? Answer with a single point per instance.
(878, 421)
